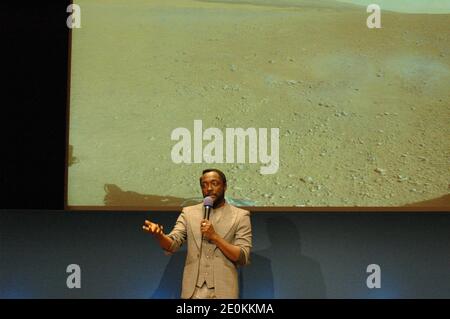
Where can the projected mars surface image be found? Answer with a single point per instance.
(300, 103)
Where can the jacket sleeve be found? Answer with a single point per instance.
(243, 238)
(178, 233)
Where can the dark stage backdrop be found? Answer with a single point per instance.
(295, 255)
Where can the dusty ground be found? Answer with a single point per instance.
(363, 114)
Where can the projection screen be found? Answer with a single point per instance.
(300, 103)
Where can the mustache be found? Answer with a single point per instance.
(213, 195)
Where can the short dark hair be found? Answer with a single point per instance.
(221, 174)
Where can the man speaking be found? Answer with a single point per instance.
(219, 239)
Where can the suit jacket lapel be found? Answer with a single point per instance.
(226, 221)
(222, 225)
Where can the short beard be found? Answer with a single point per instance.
(219, 200)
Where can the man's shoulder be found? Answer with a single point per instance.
(199, 207)
(193, 208)
(239, 211)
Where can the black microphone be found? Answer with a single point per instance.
(207, 204)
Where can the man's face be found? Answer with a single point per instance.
(212, 185)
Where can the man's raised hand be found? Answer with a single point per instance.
(153, 228)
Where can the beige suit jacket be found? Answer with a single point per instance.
(234, 226)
